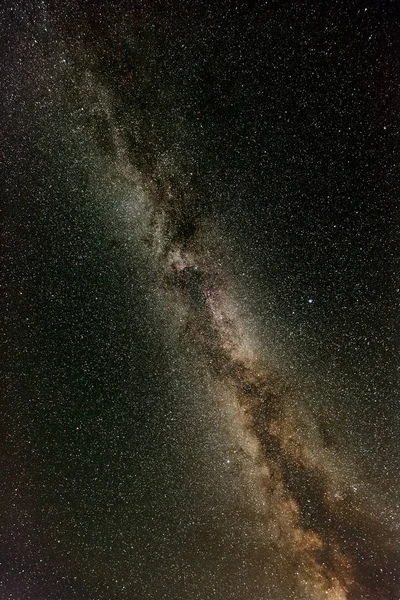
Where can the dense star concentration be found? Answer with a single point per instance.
(201, 291)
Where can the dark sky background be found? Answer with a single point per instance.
(284, 117)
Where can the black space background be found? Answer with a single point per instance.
(288, 118)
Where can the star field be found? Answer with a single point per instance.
(201, 288)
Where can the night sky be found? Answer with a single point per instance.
(201, 275)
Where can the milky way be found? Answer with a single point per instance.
(159, 173)
(324, 533)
